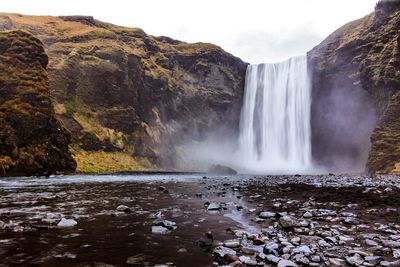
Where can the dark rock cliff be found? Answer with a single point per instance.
(32, 140)
(132, 99)
(356, 93)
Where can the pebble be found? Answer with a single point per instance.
(232, 243)
(214, 206)
(221, 251)
(286, 263)
(123, 208)
(267, 214)
(288, 221)
(66, 223)
(159, 230)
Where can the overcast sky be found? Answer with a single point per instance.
(255, 30)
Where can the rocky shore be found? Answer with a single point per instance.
(191, 220)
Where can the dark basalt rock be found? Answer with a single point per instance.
(32, 140)
(221, 169)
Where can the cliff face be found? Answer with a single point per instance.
(132, 99)
(32, 140)
(356, 70)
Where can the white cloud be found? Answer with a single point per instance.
(254, 30)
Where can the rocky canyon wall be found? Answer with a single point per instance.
(132, 100)
(356, 87)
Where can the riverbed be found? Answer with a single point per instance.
(186, 219)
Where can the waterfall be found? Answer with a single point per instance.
(275, 132)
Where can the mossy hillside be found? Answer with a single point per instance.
(32, 140)
(118, 85)
(362, 55)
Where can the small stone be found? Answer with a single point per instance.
(373, 259)
(295, 240)
(248, 261)
(286, 263)
(316, 258)
(182, 250)
(336, 262)
(271, 248)
(371, 243)
(303, 249)
(134, 260)
(351, 220)
(214, 206)
(272, 258)
(307, 215)
(123, 208)
(390, 263)
(258, 241)
(300, 258)
(355, 260)
(232, 243)
(159, 230)
(221, 251)
(206, 240)
(66, 223)
(267, 214)
(167, 224)
(391, 243)
(396, 253)
(288, 221)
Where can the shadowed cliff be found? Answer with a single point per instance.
(356, 93)
(130, 99)
(32, 140)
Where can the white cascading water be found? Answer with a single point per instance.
(275, 132)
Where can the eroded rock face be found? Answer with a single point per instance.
(356, 86)
(32, 140)
(119, 89)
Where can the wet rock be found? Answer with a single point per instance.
(287, 222)
(271, 248)
(316, 258)
(232, 243)
(272, 258)
(221, 169)
(304, 249)
(391, 243)
(159, 230)
(390, 263)
(258, 241)
(351, 221)
(286, 263)
(182, 250)
(355, 260)
(66, 223)
(373, 259)
(166, 224)
(371, 243)
(267, 214)
(248, 260)
(222, 251)
(135, 260)
(336, 262)
(302, 259)
(123, 208)
(206, 240)
(214, 206)
(307, 215)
